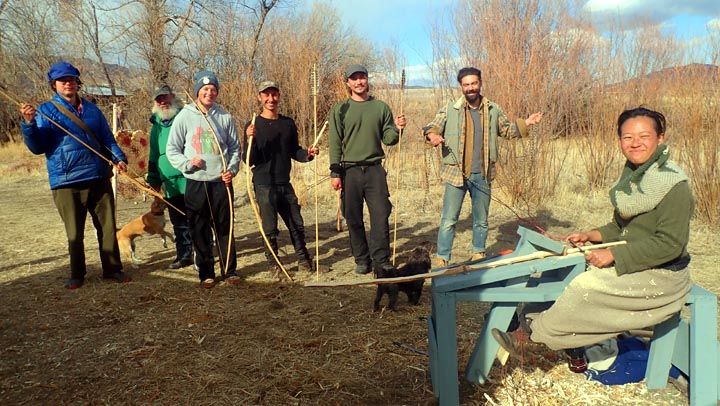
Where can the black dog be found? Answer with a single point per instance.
(418, 262)
(386, 271)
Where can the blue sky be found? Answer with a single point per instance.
(407, 22)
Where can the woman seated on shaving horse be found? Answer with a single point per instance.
(631, 286)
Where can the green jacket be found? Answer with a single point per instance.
(450, 123)
(160, 171)
(655, 237)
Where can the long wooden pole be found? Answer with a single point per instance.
(464, 268)
(314, 79)
(398, 169)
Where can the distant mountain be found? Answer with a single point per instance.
(91, 71)
(697, 73)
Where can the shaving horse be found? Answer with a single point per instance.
(536, 272)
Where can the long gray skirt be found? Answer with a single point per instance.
(599, 304)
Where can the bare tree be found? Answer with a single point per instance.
(261, 12)
(3, 4)
(158, 31)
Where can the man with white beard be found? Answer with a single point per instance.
(161, 172)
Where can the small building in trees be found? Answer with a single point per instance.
(102, 95)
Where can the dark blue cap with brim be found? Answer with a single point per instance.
(62, 69)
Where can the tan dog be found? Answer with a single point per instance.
(152, 222)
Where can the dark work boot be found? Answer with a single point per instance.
(578, 362)
(181, 263)
(363, 268)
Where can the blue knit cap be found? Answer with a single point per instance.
(203, 78)
(62, 69)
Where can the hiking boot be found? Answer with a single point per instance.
(306, 265)
(513, 342)
(208, 283)
(362, 268)
(181, 263)
(277, 273)
(477, 256)
(438, 262)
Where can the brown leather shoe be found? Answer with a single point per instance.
(208, 283)
(477, 256)
(274, 270)
(305, 265)
(513, 342)
(233, 280)
(277, 273)
(438, 262)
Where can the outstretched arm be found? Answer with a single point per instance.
(533, 119)
(434, 130)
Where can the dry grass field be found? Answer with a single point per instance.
(162, 340)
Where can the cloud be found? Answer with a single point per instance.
(418, 75)
(713, 25)
(626, 12)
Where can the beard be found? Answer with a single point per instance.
(472, 98)
(168, 114)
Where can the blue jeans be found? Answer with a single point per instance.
(452, 203)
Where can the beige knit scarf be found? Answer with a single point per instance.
(640, 189)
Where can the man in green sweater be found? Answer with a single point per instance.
(161, 173)
(359, 126)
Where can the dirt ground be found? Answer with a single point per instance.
(162, 340)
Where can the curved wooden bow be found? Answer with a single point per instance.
(132, 180)
(254, 206)
(227, 186)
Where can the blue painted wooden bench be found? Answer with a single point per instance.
(505, 286)
(675, 341)
(691, 346)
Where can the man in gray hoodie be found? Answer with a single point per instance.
(209, 164)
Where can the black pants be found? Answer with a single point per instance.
(368, 183)
(183, 239)
(281, 199)
(207, 210)
(74, 203)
